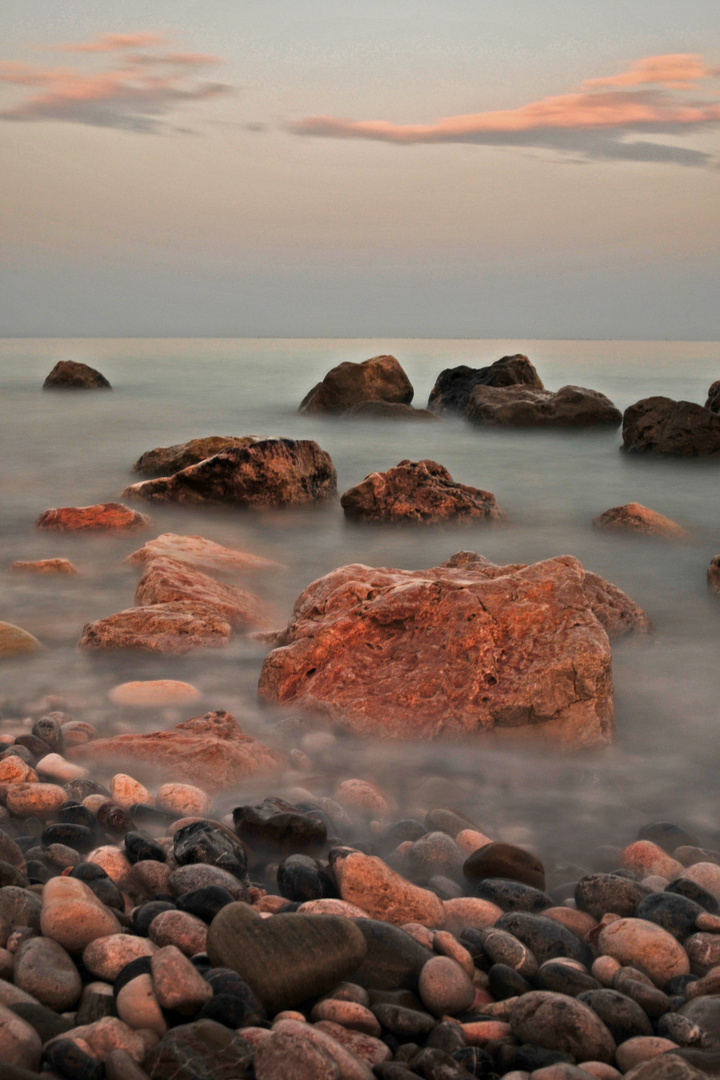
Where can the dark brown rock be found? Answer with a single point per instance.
(638, 519)
(106, 516)
(388, 410)
(713, 398)
(421, 492)
(176, 627)
(713, 575)
(202, 1050)
(166, 581)
(453, 387)
(209, 750)
(267, 473)
(166, 460)
(379, 379)
(525, 406)
(465, 647)
(498, 860)
(71, 375)
(662, 426)
(558, 1022)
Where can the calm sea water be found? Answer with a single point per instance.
(77, 449)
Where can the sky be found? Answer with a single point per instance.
(322, 168)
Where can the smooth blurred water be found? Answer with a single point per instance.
(76, 449)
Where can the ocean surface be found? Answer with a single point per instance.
(77, 449)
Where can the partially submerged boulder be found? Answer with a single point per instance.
(44, 566)
(72, 375)
(111, 517)
(197, 551)
(421, 492)
(453, 386)
(635, 518)
(176, 627)
(463, 648)
(265, 474)
(166, 580)
(388, 410)
(662, 426)
(165, 460)
(526, 406)
(381, 378)
(211, 751)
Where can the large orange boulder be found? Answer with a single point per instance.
(421, 492)
(264, 474)
(379, 379)
(211, 751)
(466, 647)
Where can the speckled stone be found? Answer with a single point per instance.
(647, 946)
(444, 987)
(45, 970)
(558, 1022)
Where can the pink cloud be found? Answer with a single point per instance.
(591, 122)
(132, 96)
(111, 43)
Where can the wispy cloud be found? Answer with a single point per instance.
(137, 92)
(598, 121)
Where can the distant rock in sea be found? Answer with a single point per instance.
(421, 492)
(381, 378)
(71, 375)
(453, 386)
(660, 425)
(421, 654)
(526, 406)
(165, 460)
(44, 566)
(635, 518)
(266, 474)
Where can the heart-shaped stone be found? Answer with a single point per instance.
(285, 959)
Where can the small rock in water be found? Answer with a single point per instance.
(72, 375)
(153, 693)
(112, 517)
(44, 566)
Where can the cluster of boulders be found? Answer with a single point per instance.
(148, 934)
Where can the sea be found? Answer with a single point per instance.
(78, 448)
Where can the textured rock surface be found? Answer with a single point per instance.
(288, 958)
(635, 518)
(453, 386)
(166, 581)
(72, 375)
(111, 516)
(176, 627)
(197, 551)
(44, 566)
(422, 653)
(662, 426)
(209, 750)
(268, 473)
(165, 460)
(418, 491)
(524, 406)
(558, 1022)
(381, 378)
(368, 882)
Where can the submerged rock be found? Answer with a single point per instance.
(381, 378)
(418, 491)
(713, 575)
(197, 551)
(268, 473)
(662, 426)
(465, 647)
(388, 410)
(453, 387)
(209, 750)
(176, 627)
(525, 406)
(635, 518)
(72, 375)
(44, 566)
(166, 581)
(165, 460)
(111, 516)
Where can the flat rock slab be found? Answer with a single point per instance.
(209, 750)
(285, 959)
(176, 627)
(453, 386)
(72, 375)
(197, 551)
(466, 647)
(638, 519)
(110, 516)
(421, 492)
(660, 425)
(44, 566)
(265, 474)
(166, 581)
(525, 406)
(164, 460)
(381, 378)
